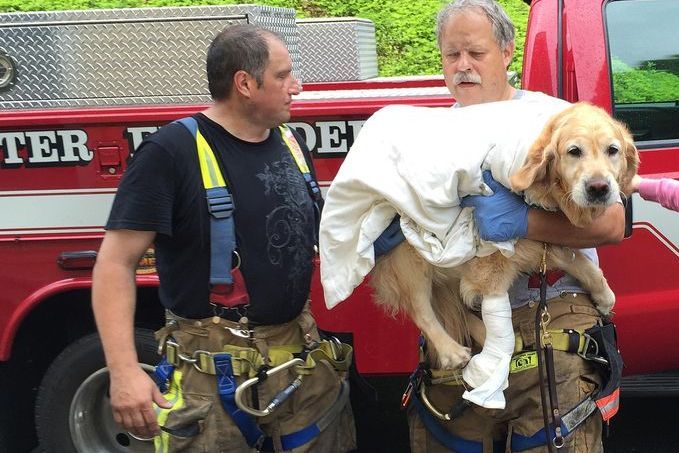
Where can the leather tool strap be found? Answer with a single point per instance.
(541, 358)
(545, 355)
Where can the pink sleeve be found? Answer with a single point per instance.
(664, 191)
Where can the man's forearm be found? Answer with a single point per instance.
(113, 302)
(555, 228)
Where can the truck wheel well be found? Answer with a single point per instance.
(66, 317)
(46, 331)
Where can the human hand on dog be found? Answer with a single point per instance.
(501, 216)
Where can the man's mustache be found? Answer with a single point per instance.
(466, 77)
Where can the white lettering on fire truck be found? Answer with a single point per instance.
(322, 137)
(136, 135)
(329, 137)
(69, 147)
(45, 148)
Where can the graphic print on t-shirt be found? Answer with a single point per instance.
(285, 224)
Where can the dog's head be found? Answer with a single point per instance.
(579, 164)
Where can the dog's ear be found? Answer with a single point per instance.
(540, 155)
(630, 159)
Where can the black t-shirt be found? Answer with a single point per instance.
(274, 218)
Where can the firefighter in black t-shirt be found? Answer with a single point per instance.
(243, 365)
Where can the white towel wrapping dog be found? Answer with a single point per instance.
(418, 162)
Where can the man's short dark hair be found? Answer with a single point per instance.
(242, 47)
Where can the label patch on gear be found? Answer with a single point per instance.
(524, 361)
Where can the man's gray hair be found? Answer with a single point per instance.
(503, 28)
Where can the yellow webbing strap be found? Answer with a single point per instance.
(247, 361)
(446, 377)
(209, 169)
(339, 355)
(560, 341)
(521, 360)
(294, 148)
(173, 395)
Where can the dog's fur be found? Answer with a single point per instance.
(580, 162)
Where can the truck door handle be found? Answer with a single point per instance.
(110, 161)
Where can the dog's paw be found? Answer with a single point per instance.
(604, 300)
(454, 356)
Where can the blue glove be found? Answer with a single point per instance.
(390, 238)
(501, 216)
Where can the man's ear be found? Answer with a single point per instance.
(243, 83)
(541, 154)
(508, 54)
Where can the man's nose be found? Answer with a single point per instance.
(295, 86)
(463, 62)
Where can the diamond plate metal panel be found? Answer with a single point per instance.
(124, 56)
(337, 49)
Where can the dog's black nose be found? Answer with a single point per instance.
(597, 189)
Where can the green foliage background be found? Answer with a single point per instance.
(645, 84)
(406, 40)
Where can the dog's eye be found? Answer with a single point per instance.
(612, 150)
(575, 151)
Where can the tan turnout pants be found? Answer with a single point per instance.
(198, 401)
(575, 379)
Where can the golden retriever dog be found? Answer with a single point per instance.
(579, 164)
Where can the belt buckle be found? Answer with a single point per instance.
(195, 359)
(589, 342)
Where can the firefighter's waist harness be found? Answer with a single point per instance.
(596, 344)
(254, 366)
(248, 362)
(567, 340)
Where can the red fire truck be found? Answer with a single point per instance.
(80, 90)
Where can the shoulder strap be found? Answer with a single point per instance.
(209, 168)
(222, 229)
(298, 155)
(312, 185)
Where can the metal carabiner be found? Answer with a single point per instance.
(558, 442)
(594, 356)
(195, 358)
(454, 412)
(336, 347)
(278, 399)
(434, 411)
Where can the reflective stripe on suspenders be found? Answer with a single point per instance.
(298, 155)
(220, 207)
(312, 186)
